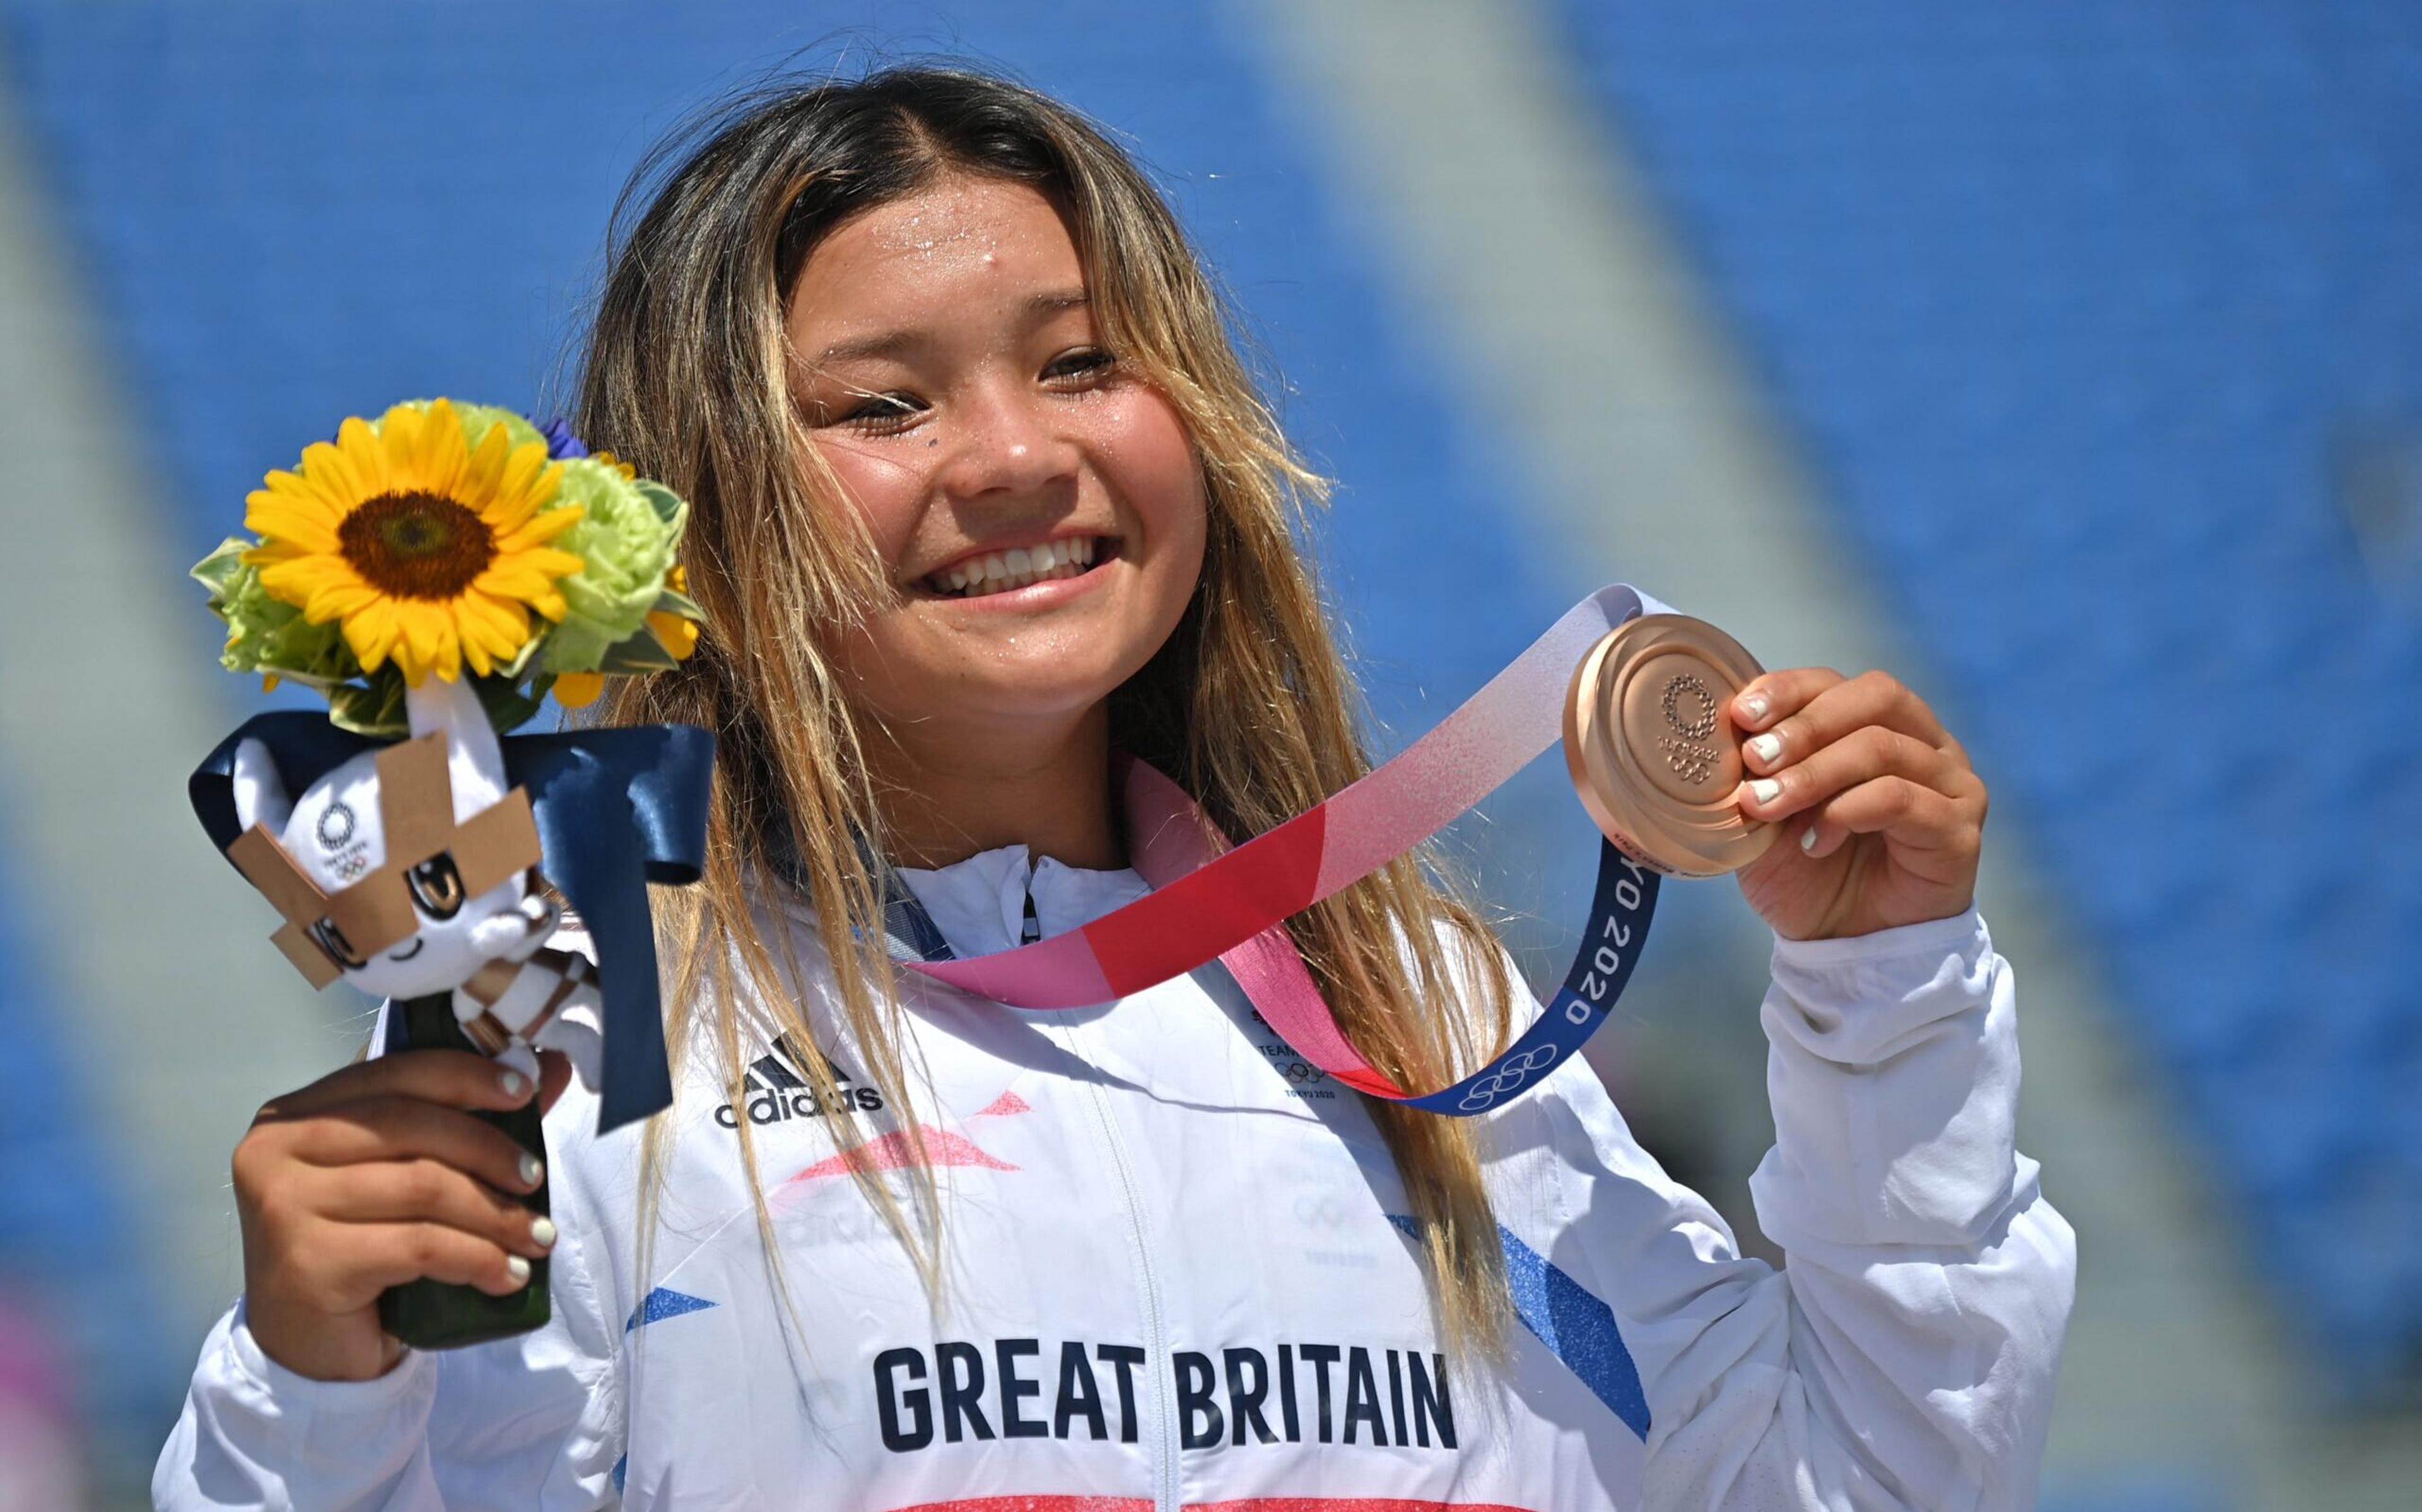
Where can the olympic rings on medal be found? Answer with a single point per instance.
(1507, 1077)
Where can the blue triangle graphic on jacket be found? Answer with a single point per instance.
(1574, 1324)
(661, 1303)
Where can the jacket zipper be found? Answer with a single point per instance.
(1165, 1496)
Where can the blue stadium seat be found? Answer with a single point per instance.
(2071, 305)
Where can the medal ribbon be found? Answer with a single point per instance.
(1208, 904)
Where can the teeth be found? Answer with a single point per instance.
(1017, 568)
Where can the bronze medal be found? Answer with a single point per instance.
(1652, 749)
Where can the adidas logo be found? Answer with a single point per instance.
(778, 1088)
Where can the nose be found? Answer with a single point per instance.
(1006, 446)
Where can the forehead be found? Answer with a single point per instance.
(942, 255)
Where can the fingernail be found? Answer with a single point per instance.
(517, 1267)
(1808, 839)
(542, 1231)
(1752, 707)
(532, 1168)
(512, 1083)
(1767, 747)
(1766, 789)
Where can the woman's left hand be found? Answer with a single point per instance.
(1882, 817)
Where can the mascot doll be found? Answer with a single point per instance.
(435, 574)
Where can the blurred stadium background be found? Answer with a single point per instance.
(2065, 358)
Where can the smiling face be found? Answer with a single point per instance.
(1040, 509)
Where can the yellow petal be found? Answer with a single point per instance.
(294, 488)
(443, 458)
(338, 601)
(399, 431)
(526, 576)
(359, 440)
(426, 630)
(272, 518)
(315, 584)
(502, 624)
(578, 690)
(527, 472)
(541, 529)
(371, 633)
(676, 633)
(341, 476)
(483, 469)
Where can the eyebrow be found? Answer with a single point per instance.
(902, 343)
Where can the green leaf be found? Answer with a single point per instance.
(642, 652)
(219, 569)
(511, 671)
(375, 710)
(669, 603)
(509, 705)
(666, 503)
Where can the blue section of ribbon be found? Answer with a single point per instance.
(1620, 911)
(1568, 1318)
(661, 1303)
(616, 810)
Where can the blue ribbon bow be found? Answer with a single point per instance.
(615, 809)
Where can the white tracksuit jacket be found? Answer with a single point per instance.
(1177, 1278)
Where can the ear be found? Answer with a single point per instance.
(260, 793)
(475, 762)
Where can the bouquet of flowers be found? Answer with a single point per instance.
(440, 537)
(436, 572)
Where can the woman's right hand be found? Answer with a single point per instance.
(375, 1176)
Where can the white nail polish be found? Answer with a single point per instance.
(512, 1084)
(1808, 839)
(542, 1230)
(532, 1168)
(1764, 790)
(1767, 747)
(517, 1267)
(1754, 708)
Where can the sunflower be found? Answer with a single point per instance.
(431, 554)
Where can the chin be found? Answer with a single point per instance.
(1027, 702)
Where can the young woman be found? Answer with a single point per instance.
(983, 496)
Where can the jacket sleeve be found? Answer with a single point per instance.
(528, 1423)
(1905, 1354)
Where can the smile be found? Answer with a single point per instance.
(982, 576)
(406, 955)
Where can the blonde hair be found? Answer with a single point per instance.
(1247, 706)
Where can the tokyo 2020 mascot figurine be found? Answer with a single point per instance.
(435, 573)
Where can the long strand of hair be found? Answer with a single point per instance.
(687, 376)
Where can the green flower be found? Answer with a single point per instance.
(628, 531)
(269, 635)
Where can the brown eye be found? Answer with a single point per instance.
(1088, 362)
(437, 886)
(334, 945)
